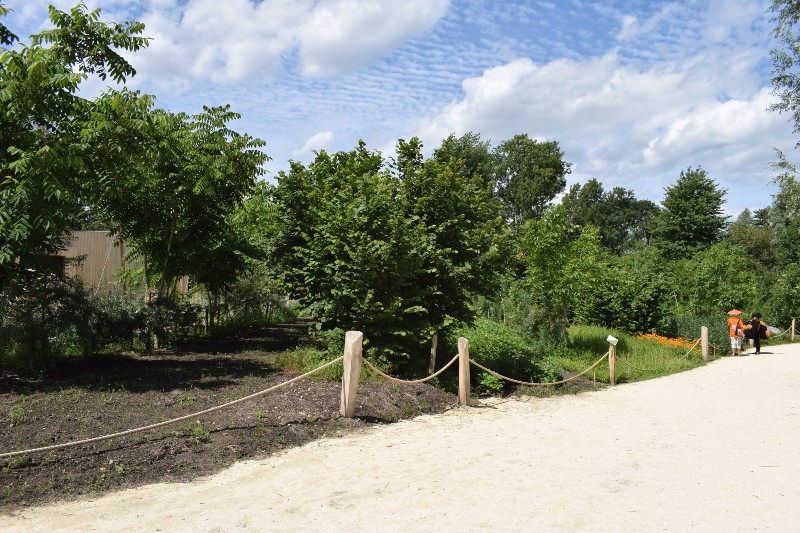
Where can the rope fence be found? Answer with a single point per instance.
(686, 355)
(530, 384)
(352, 364)
(626, 363)
(408, 381)
(787, 330)
(172, 421)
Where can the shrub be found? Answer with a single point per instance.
(688, 327)
(504, 351)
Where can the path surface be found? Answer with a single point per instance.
(713, 449)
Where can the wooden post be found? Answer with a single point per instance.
(463, 372)
(612, 364)
(704, 342)
(793, 330)
(351, 372)
(434, 344)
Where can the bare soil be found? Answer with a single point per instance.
(109, 393)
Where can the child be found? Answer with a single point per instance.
(736, 331)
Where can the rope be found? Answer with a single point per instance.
(492, 372)
(174, 420)
(692, 348)
(423, 380)
(624, 362)
(781, 333)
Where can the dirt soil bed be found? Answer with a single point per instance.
(114, 392)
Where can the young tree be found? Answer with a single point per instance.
(692, 219)
(41, 114)
(392, 254)
(563, 265)
(172, 193)
(528, 175)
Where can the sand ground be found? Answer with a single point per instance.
(713, 449)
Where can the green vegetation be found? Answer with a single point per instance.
(645, 357)
(470, 240)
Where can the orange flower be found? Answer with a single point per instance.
(678, 342)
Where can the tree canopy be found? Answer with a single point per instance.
(42, 120)
(528, 175)
(692, 219)
(395, 254)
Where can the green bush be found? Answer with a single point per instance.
(504, 351)
(688, 327)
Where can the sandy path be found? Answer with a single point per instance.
(714, 449)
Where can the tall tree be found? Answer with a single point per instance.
(528, 175)
(394, 254)
(468, 155)
(41, 121)
(692, 219)
(621, 218)
(785, 60)
(755, 240)
(784, 213)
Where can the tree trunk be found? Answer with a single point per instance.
(166, 258)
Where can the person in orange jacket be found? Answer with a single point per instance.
(736, 331)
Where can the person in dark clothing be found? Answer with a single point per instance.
(755, 329)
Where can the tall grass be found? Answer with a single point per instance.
(638, 358)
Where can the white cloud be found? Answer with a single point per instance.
(198, 41)
(246, 41)
(319, 141)
(629, 127)
(346, 34)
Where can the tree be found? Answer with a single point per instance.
(783, 301)
(6, 37)
(714, 281)
(640, 291)
(469, 156)
(784, 213)
(692, 219)
(755, 240)
(785, 75)
(528, 175)
(620, 217)
(391, 254)
(172, 193)
(563, 265)
(41, 114)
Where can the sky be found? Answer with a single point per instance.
(634, 91)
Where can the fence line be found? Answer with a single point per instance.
(686, 355)
(422, 380)
(626, 363)
(352, 365)
(174, 420)
(492, 372)
(781, 333)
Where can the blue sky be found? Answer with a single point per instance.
(634, 91)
